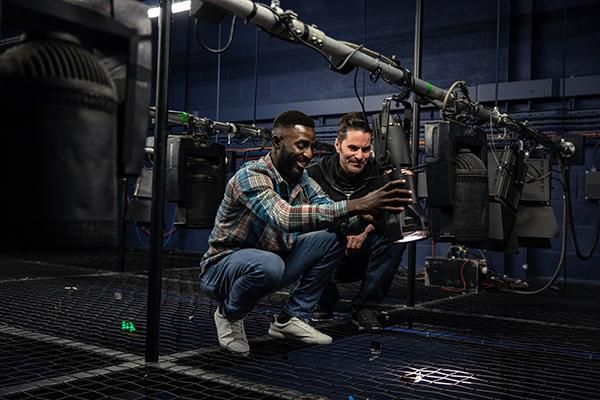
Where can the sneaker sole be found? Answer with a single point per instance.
(276, 334)
(237, 353)
(322, 319)
(279, 335)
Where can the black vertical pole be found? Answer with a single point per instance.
(412, 247)
(218, 106)
(186, 84)
(122, 229)
(364, 72)
(568, 221)
(562, 120)
(498, 21)
(256, 51)
(158, 184)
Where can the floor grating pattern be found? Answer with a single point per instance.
(25, 360)
(65, 322)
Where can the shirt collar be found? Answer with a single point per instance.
(293, 189)
(269, 162)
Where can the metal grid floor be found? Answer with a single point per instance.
(61, 338)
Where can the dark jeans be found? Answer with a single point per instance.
(239, 280)
(375, 264)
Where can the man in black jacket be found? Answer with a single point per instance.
(351, 173)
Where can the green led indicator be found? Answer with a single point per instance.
(429, 87)
(127, 326)
(184, 118)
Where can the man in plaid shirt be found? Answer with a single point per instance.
(270, 232)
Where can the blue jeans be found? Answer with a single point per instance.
(239, 280)
(375, 264)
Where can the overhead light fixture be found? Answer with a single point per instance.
(175, 8)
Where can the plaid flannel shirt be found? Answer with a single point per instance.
(260, 211)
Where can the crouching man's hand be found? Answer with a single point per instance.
(391, 198)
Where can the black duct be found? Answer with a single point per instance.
(58, 108)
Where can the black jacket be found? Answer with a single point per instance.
(340, 186)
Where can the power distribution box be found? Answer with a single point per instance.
(592, 185)
(456, 273)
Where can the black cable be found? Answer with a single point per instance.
(372, 53)
(567, 222)
(539, 177)
(373, 75)
(533, 167)
(362, 105)
(452, 113)
(211, 50)
(343, 64)
(355, 47)
(563, 253)
(292, 32)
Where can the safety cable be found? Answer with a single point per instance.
(371, 53)
(343, 64)
(292, 32)
(539, 176)
(211, 50)
(362, 105)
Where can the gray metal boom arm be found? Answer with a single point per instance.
(287, 26)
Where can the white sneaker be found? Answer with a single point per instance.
(231, 334)
(298, 329)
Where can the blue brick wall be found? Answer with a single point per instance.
(459, 42)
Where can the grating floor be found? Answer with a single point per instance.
(61, 337)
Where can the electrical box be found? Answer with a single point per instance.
(592, 185)
(455, 273)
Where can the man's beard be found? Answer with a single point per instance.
(292, 169)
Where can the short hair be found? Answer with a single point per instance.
(289, 119)
(352, 121)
